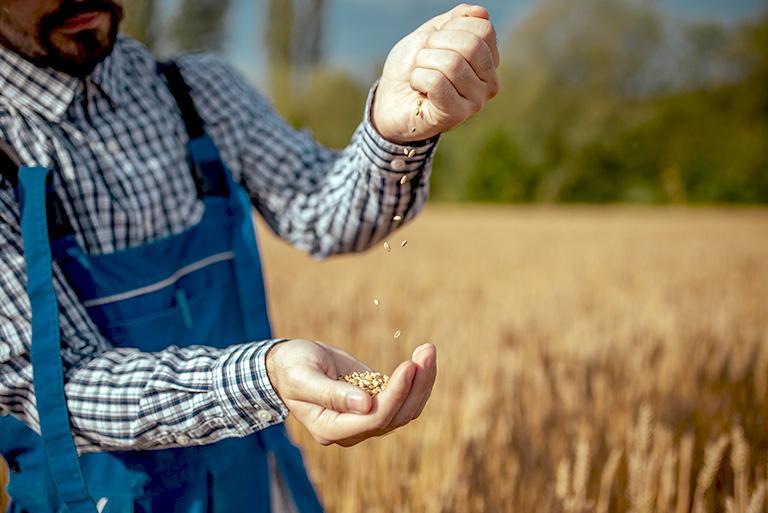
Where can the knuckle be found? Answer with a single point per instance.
(329, 398)
(434, 81)
(455, 64)
(493, 89)
(422, 56)
(477, 50)
(486, 29)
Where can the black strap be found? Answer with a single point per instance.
(180, 91)
(58, 221)
(209, 176)
(9, 163)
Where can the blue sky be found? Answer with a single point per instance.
(361, 32)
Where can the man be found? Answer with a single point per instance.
(138, 368)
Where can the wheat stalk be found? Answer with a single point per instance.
(684, 474)
(606, 480)
(757, 502)
(713, 455)
(739, 461)
(667, 484)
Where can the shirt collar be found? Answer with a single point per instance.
(109, 75)
(49, 92)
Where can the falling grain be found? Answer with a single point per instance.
(404, 243)
(387, 247)
(397, 333)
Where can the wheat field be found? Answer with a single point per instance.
(590, 359)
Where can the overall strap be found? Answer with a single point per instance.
(208, 171)
(47, 366)
(59, 225)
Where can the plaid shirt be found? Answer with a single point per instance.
(116, 143)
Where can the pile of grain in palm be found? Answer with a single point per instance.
(371, 382)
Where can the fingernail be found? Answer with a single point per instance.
(431, 362)
(356, 402)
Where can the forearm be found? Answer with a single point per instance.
(127, 399)
(327, 202)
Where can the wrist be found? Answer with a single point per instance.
(272, 366)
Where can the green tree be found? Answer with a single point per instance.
(199, 24)
(137, 21)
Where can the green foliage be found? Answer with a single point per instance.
(199, 24)
(601, 101)
(499, 173)
(137, 20)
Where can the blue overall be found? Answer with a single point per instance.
(202, 286)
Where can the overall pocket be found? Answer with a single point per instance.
(202, 308)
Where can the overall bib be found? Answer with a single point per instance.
(202, 286)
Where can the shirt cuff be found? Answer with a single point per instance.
(243, 389)
(392, 158)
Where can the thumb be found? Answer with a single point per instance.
(436, 23)
(340, 396)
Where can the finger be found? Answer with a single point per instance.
(461, 10)
(338, 426)
(424, 358)
(481, 28)
(440, 92)
(313, 386)
(431, 363)
(471, 47)
(457, 70)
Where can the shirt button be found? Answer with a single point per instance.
(398, 164)
(182, 439)
(101, 504)
(68, 172)
(264, 415)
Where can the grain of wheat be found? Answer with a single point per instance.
(387, 247)
(397, 218)
(403, 180)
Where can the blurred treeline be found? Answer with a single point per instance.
(601, 101)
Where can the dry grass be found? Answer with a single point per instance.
(590, 360)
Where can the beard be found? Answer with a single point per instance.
(76, 53)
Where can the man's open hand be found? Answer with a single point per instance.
(450, 63)
(304, 374)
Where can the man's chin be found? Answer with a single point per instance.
(79, 53)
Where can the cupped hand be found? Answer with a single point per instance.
(449, 64)
(304, 373)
